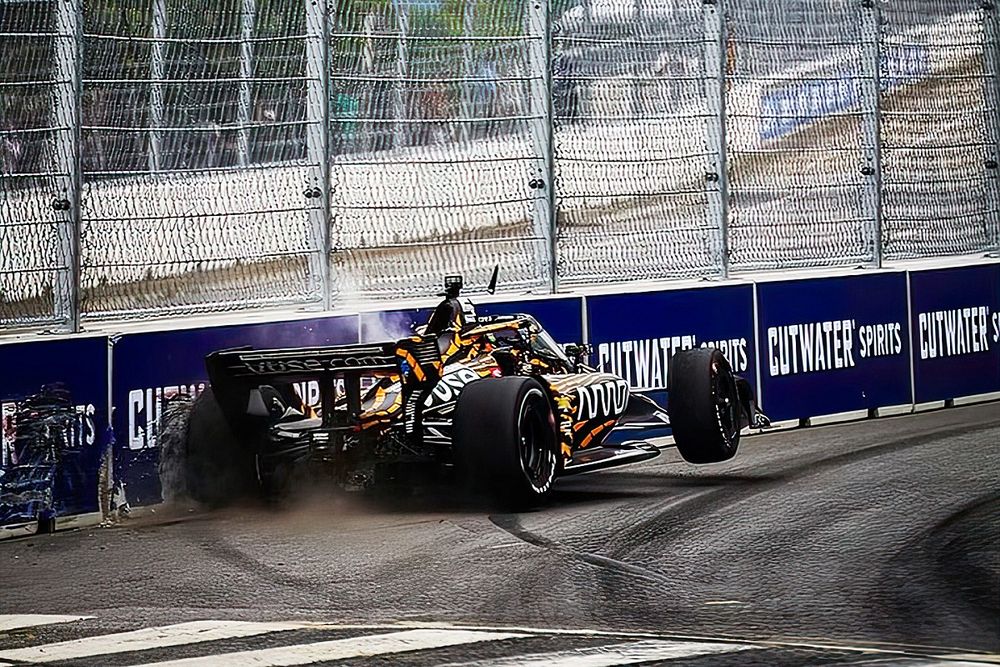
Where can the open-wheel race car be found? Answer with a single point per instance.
(495, 400)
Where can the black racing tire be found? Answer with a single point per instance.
(219, 469)
(505, 440)
(704, 407)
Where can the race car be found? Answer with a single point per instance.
(493, 400)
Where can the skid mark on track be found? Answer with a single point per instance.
(242, 561)
(719, 497)
(511, 523)
(964, 561)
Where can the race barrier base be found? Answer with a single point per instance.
(978, 398)
(893, 411)
(837, 418)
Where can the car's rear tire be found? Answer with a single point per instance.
(704, 406)
(505, 440)
(218, 467)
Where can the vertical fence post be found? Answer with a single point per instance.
(635, 89)
(368, 70)
(539, 33)
(991, 91)
(157, 69)
(66, 119)
(871, 127)
(399, 138)
(468, 67)
(317, 143)
(248, 16)
(716, 168)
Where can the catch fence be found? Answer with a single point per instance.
(168, 157)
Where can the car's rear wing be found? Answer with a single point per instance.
(301, 363)
(237, 375)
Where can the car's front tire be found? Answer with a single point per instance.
(704, 406)
(505, 440)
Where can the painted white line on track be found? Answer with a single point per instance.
(627, 653)
(147, 638)
(340, 649)
(17, 621)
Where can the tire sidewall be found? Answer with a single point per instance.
(535, 393)
(486, 439)
(695, 416)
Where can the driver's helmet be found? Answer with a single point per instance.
(468, 311)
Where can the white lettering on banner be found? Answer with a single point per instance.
(8, 434)
(948, 333)
(812, 347)
(735, 351)
(880, 340)
(996, 327)
(81, 432)
(145, 407)
(85, 429)
(645, 363)
(606, 399)
(308, 391)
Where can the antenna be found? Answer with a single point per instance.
(493, 281)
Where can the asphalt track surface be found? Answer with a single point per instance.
(875, 542)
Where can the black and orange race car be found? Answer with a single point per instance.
(494, 399)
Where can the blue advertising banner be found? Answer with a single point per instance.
(562, 318)
(834, 87)
(53, 406)
(635, 335)
(832, 345)
(956, 332)
(150, 368)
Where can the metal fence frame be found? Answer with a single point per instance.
(67, 311)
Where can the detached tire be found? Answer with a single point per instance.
(704, 407)
(505, 439)
(218, 468)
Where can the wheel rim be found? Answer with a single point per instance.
(726, 404)
(535, 444)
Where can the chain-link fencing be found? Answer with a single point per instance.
(165, 157)
(36, 164)
(437, 135)
(801, 135)
(196, 169)
(633, 141)
(939, 134)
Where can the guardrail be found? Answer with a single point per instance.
(853, 344)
